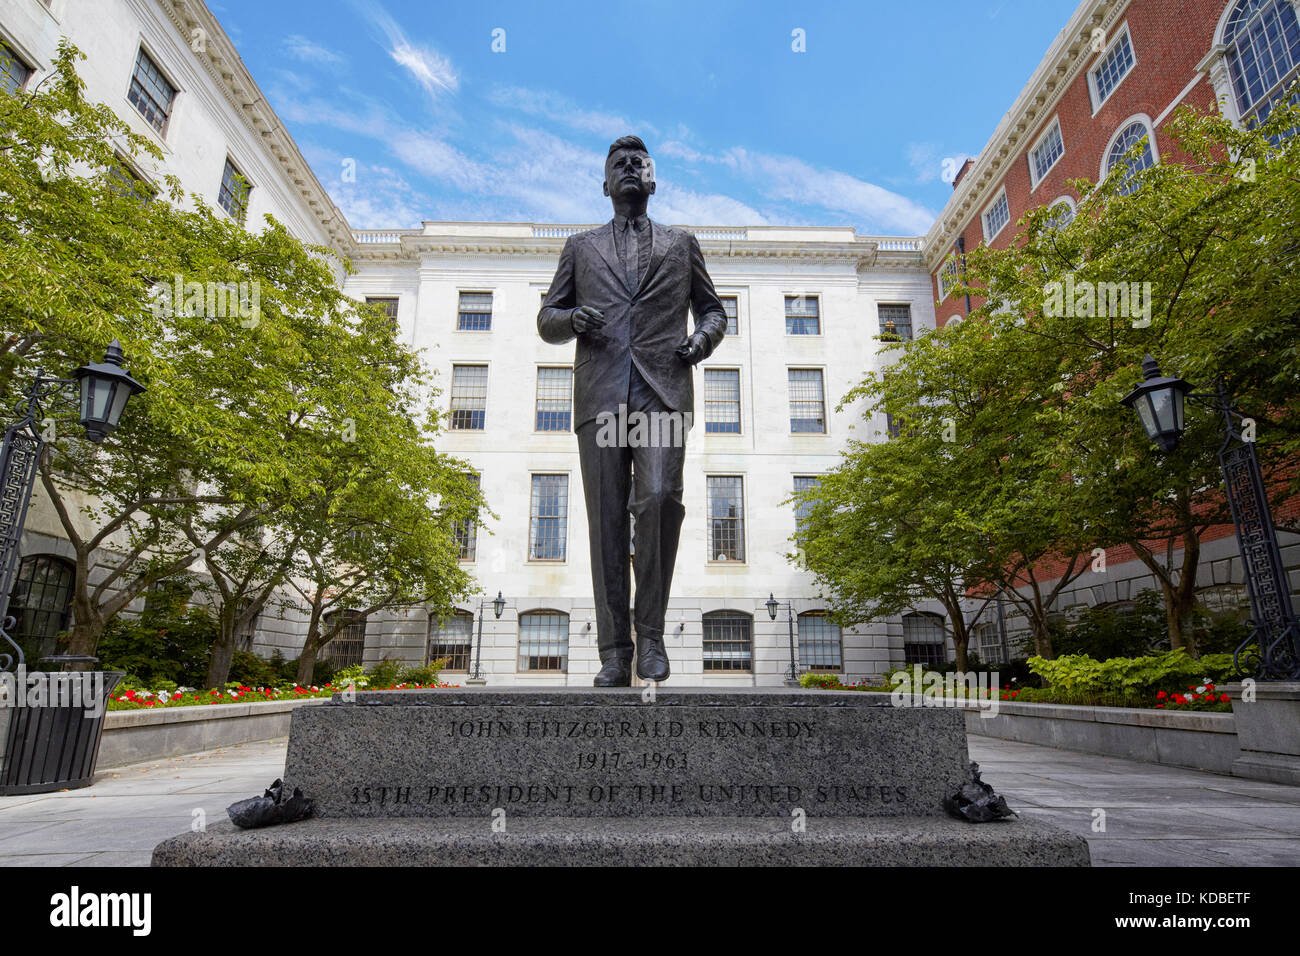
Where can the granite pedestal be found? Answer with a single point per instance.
(572, 776)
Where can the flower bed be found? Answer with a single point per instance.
(1200, 697)
(189, 697)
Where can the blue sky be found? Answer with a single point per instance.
(406, 113)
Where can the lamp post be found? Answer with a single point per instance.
(1159, 401)
(105, 388)
(773, 605)
(498, 606)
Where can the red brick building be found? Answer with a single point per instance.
(1114, 75)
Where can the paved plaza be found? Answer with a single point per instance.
(1154, 816)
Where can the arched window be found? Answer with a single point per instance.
(819, 642)
(41, 603)
(1132, 133)
(449, 640)
(1263, 53)
(1061, 214)
(544, 641)
(923, 636)
(348, 646)
(728, 641)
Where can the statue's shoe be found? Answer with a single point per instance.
(615, 672)
(651, 659)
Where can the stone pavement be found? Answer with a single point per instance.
(1155, 816)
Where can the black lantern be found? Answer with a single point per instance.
(498, 604)
(105, 388)
(773, 605)
(1158, 401)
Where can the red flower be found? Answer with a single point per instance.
(1224, 699)
(1161, 695)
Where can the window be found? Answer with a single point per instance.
(347, 647)
(819, 642)
(14, 73)
(554, 399)
(923, 639)
(1045, 155)
(728, 641)
(1227, 599)
(996, 216)
(726, 517)
(150, 92)
(803, 315)
(894, 423)
(988, 643)
(388, 305)
(466, 533)
(807, 400)
(469, 397)
(901, 318)
(949, 276)
(1113, 66)
(125, 181)
(801, 509)
(449, 640)
(474, 314)
(721, 401)
(1263, 41)
(1061, 214)
(1128, 137)
(41, 603)
(233, 196)
(548, 518)
(544, 641)
(731, 306)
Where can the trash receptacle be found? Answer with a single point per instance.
(56, 721)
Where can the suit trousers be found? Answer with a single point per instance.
(641, 476)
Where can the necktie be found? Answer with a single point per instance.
(632, 255)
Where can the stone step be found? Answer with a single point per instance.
(662, 841)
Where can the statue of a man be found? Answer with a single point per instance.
(624, 291)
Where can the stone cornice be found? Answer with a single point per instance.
(859, 255)
(231, 77)
(1065, 59)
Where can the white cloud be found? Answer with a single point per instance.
(431, 69)
(300, 48)
(558, 108)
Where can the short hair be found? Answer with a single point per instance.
(626, 142)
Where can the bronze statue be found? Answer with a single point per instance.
(623, 290)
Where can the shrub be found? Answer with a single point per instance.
(248, 669)
(819, 680)
(1130, 677)
(167, 643)
(386, 673)
(1103, 633)
(428, 674)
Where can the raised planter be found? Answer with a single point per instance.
(1202, 741)
(134, 735)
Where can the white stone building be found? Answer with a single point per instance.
(809, 307)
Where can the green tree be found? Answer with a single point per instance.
(252, 399)
(1214, 236)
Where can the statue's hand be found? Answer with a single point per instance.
(584, 318)
(692, 350)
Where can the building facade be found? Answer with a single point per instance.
(1113, 78)
(807, 309)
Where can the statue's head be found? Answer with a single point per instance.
(629, 170)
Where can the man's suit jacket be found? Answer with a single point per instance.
(643, 325)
